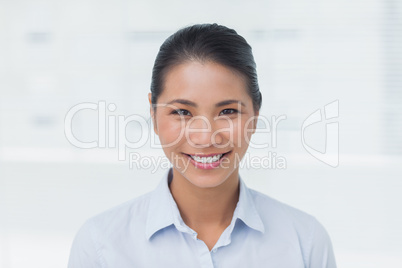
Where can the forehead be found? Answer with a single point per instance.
(204, 83)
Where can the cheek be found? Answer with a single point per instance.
(170, 131)
(234, 132)
(241, 133)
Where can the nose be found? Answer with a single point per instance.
(201, 132)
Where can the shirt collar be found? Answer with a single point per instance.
(163, 210)
(246, 209)
(160, 212)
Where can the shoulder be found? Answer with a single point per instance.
(118, 219)
(107, 228)
(313, 239)
(270, 207)
(122, 214)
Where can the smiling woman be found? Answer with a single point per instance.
(214, 124)
(204, 104)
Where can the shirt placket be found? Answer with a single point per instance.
(204, 255)
(203, 252)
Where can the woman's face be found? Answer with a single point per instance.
(204, 109)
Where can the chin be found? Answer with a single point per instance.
(208, 179)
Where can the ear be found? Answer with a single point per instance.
(152, 113)
(255, 120)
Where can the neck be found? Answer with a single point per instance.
(205, 207)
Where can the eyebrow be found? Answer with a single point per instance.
(193, 104)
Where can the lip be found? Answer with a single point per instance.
(208, 165)
(207, 155)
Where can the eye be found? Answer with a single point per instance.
(229, 111)
(181, 112)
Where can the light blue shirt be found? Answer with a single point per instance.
(148, 231)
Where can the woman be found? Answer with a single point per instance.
(205, 102)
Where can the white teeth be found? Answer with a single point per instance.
(209, 159)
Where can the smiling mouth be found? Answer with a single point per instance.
(210, 158)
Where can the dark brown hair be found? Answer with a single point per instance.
(207, 42)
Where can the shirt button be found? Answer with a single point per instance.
(214, 250)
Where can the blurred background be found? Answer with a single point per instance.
(55, 55)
